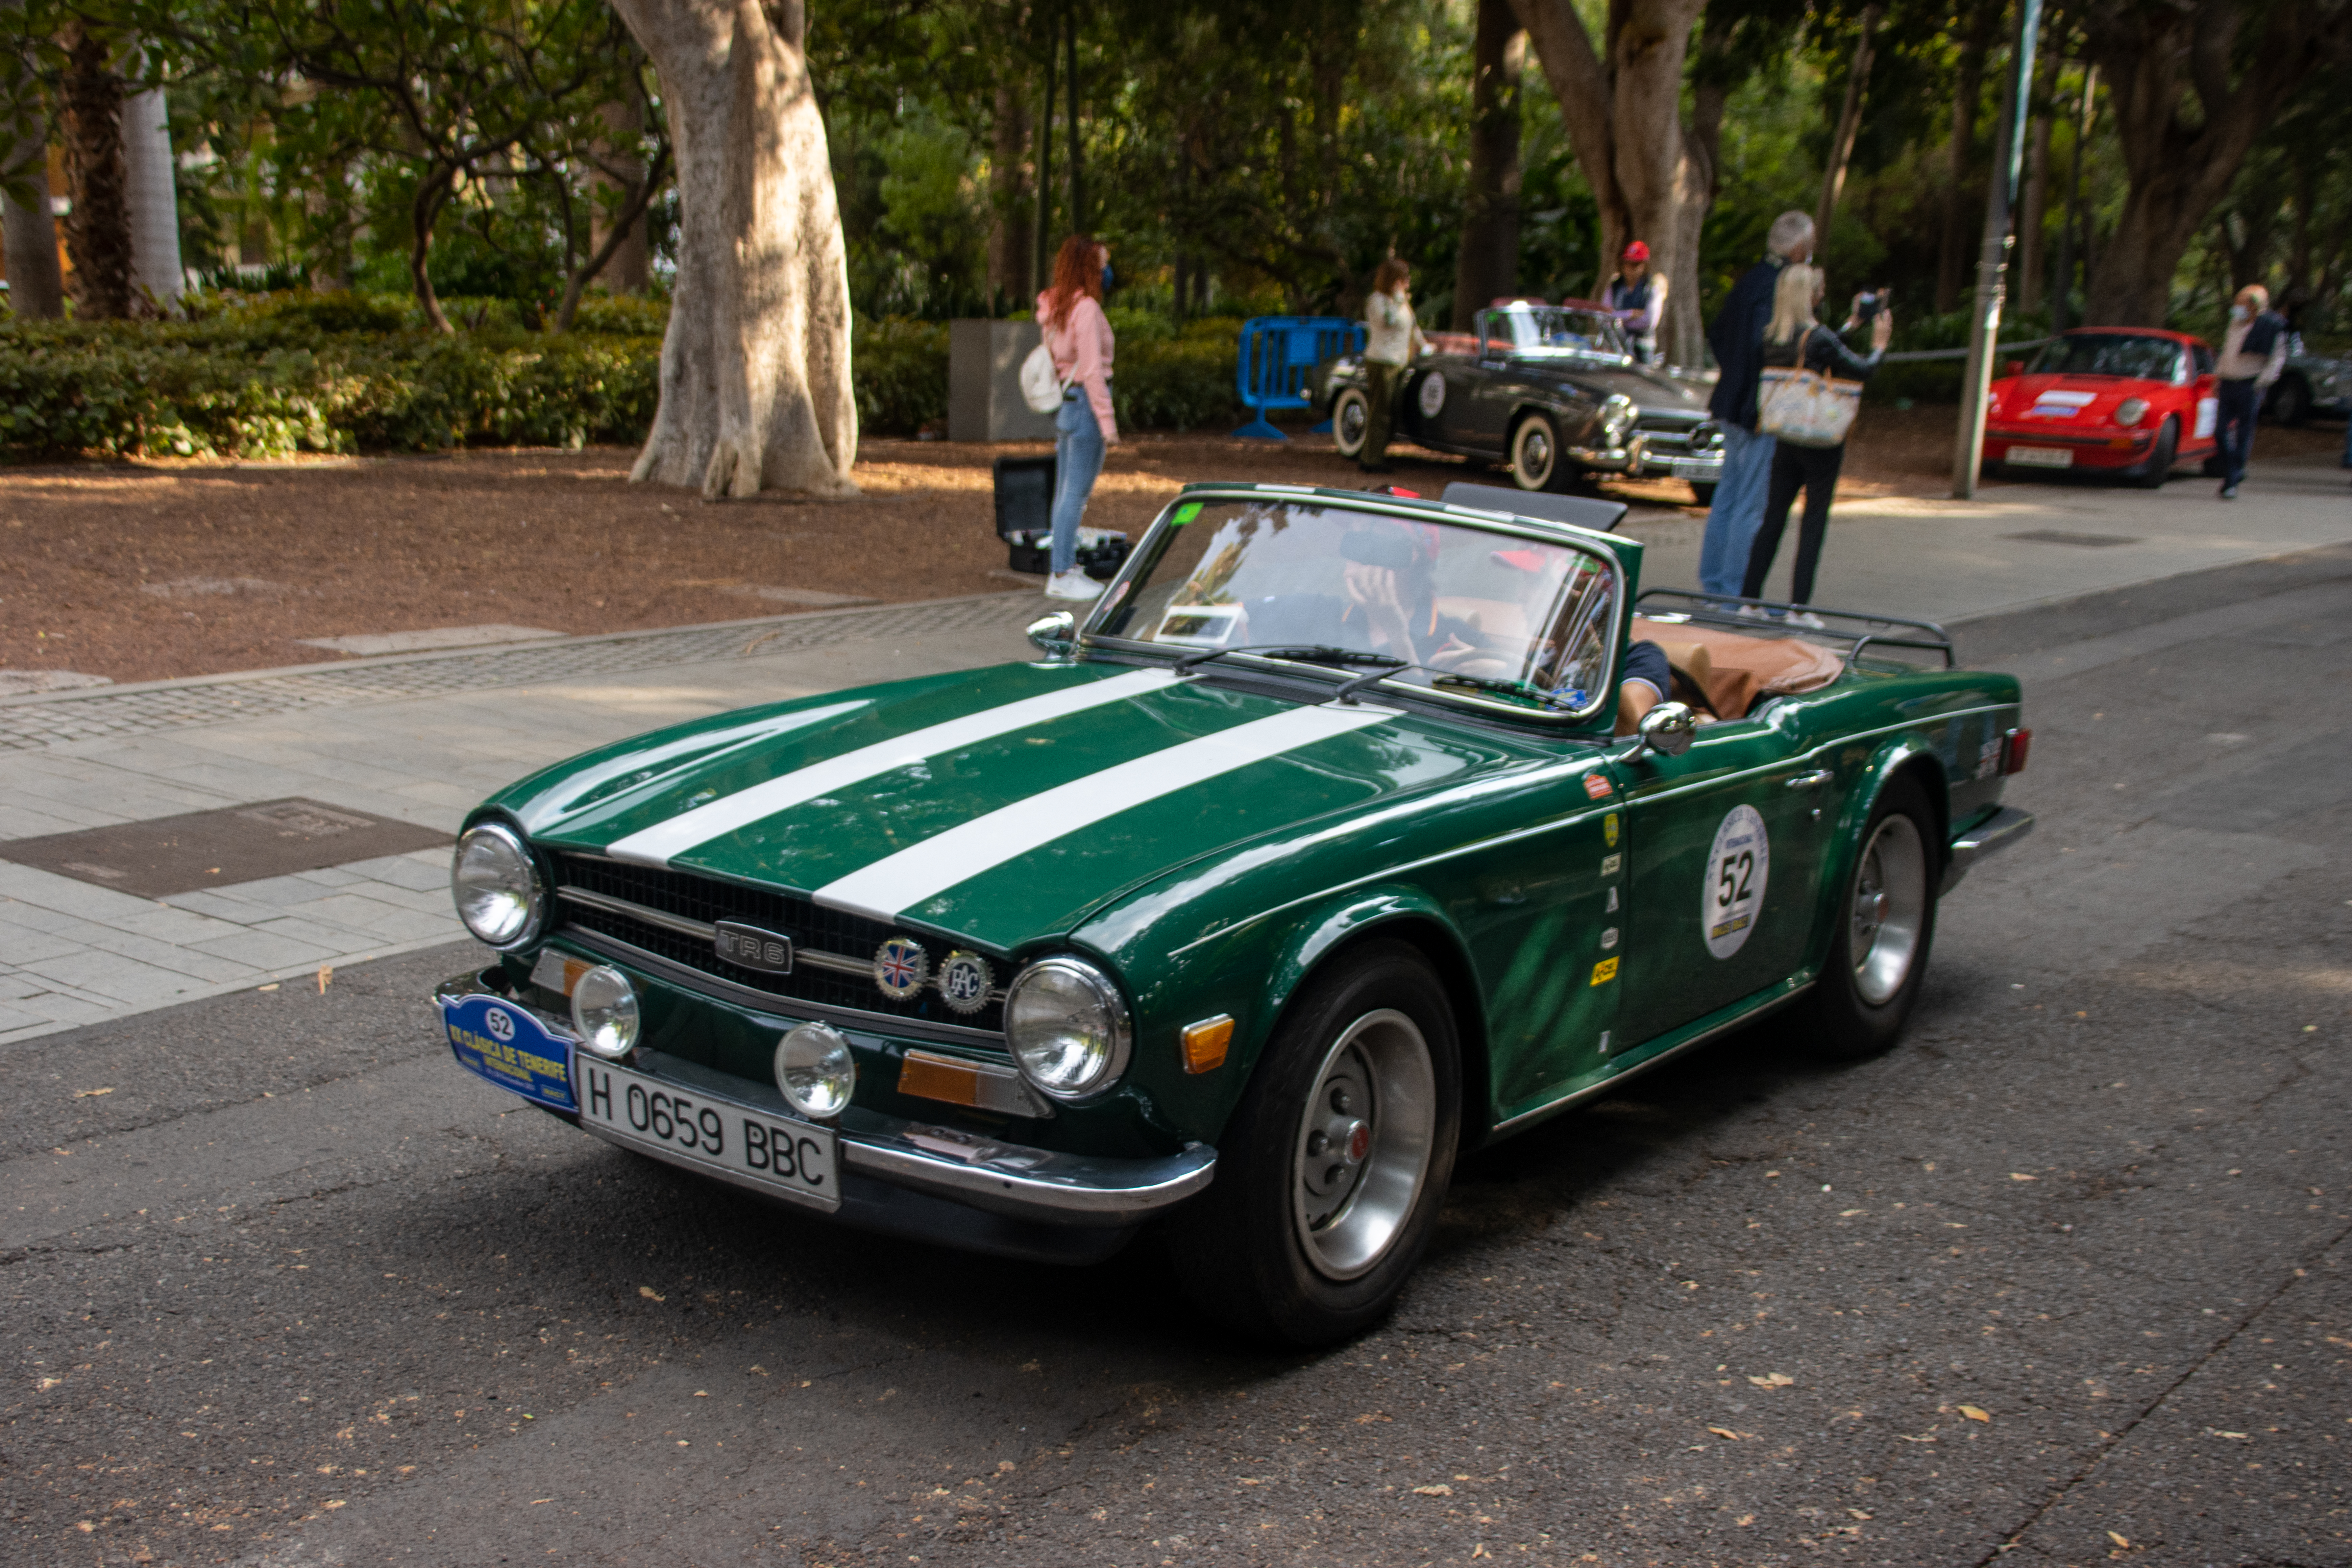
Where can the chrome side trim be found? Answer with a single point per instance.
(1525, 1118)
(1996, 833)
(768, 1002)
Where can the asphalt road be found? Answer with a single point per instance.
(2062, 1279)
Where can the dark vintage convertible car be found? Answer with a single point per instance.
(1551, 391)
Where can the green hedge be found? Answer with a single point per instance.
(273, 374)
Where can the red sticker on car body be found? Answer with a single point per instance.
(1597, 785)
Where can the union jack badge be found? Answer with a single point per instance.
(901, 967)
(964, 980)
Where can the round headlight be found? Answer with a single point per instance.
(815, 1070)
(1067, 1027)
(2131, 411)
(496, 884)
(605, 1011)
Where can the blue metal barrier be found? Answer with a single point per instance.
(1277, 354)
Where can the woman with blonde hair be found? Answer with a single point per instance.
(1796, 339)
(1080, 336)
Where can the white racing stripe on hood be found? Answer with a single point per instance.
(687, 830)
(924, 870)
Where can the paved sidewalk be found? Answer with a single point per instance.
(423, 738)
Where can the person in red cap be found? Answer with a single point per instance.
(1639, 298)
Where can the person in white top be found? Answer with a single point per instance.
(1080, 336)
(1392, 341)
(2253, 353)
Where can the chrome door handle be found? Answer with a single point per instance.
(1814, 780)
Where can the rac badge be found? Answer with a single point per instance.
(901, 967)
(753, 948)
(964, 980)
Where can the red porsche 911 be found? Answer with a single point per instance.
(2131, 402)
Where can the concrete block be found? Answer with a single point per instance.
(273, 951)
(120, 980)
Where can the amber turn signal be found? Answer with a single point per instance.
(1205, 1043)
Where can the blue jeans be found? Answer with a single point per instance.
(2234, 425)
(1077, 460)
(1737, 511)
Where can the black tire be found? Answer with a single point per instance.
(1247, 1249)
(1351, 420)
(1702, 495)
(1853, 1012)
(1538, 461)
(2159, 467)
(2291, 402)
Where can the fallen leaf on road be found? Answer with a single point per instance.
(1858, 1513)
(1773, 1380)
(1746, 1520)
(2118, 1540)
(1433, 1491)
(650, 1294)
(90, 1093)
(326, 972)
(1726, 1432)
(271, 986)
(2238, 1437)
(1366, 1420)
(2021, 1176)
(1973, 1413)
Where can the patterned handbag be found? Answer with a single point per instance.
(1804, 407)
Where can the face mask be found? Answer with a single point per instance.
(2237, 312)
(1106, 277)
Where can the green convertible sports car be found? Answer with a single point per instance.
(1305, 859)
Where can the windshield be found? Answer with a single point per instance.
(1552, 329)
(1458, 600)
(2110, 353)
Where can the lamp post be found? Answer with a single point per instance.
(1992, 259)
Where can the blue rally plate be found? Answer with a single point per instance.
(509, 1046)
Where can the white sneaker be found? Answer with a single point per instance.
(1809, 620)
(1072, 585)
(1750, 611)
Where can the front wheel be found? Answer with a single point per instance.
(2291, 403)
(2159, 462)
(1885, 927)
(1331, 1173)
(1537, 463)
(1351, 421)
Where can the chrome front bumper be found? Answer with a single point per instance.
(1994, 833)
(1637, 459)
(1032, 1186)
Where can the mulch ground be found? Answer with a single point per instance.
(151, 570)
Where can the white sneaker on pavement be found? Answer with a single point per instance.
(1809, 620)
(1749, 612)
(1072, 585)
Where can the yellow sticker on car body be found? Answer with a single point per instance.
(1604, 972)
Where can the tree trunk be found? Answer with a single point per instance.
(1077, 159)
(1651, 179)
(98, 225)
(29, 234)
(1952, 257)
(616, 206)
(2030, 227)
(1487, 266)
(1849, 126)
(1008, 188)
(755, 390)
(2180, 165)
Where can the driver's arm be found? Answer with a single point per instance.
(1648, 679)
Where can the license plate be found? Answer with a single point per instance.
(796, 1159)
(505, 1044)
(2041, 457)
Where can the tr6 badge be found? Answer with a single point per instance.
(753, 948)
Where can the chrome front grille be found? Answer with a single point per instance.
(671, 915)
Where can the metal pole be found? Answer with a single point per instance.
(1992, 259)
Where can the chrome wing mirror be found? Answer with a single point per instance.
(1055, 633)
(1666, 730)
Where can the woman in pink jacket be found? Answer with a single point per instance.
(1079, 335)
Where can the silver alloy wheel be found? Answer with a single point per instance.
(1351, 423)
(1889, 909)
(1363, 1145)
(1532, 455)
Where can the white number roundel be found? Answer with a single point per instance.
(1736, 872)
(1433, 394)
(501, 1023)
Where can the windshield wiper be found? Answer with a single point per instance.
(1347, 691)
(1314, 653)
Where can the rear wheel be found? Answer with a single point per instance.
(1702, 495)
(1330, 1175)
(1537, 462)
(2291, 403)
(1351, 421)
(1885, 928)
(2159, 462)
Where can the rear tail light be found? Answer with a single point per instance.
(2015, 746)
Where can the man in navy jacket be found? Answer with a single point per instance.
(1737, 336)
